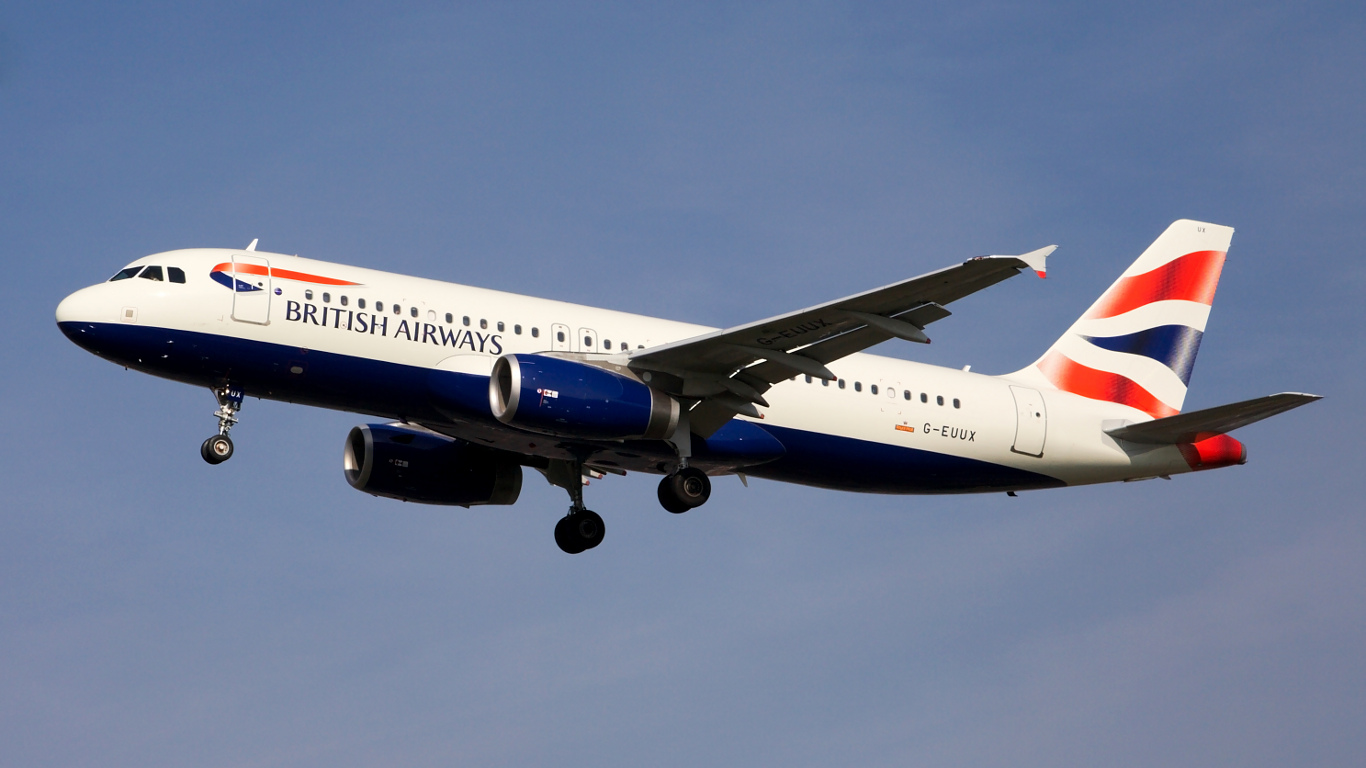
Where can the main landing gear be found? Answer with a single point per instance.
(581, 529)
(218, 449)
(686, 489)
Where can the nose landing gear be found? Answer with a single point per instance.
(218, 449)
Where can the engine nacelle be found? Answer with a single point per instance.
(566, 398)
(404, 464)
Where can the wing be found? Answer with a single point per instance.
(1197, 425)
(728, 371)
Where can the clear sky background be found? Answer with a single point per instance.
(714, 163)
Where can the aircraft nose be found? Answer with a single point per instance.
(76, 308)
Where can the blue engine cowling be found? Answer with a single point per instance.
(388, 460)
(567, 398)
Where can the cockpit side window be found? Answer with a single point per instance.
(126, 273)
(176, 274)
(151, 273)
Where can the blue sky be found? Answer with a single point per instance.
(716, 164)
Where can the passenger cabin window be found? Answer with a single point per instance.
(924, 397)
(858, 386)
(398, 310)
(413, 310)
(176, 274)
(327, 297)
(360, 303)
(535, 332)
(957, 404)
(517, 329)
(906, 393)
(940, 399)
(841, 383)
(607, 344)
(151, 273)
(465, 320)
(483, 324)
(872, 389)
(343, 301)
(449, 318)
(308, 295)
(124, 274)
(808, 378)
(379, 305)
(559, 336)
(500, 325)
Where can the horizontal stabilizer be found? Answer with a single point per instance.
(1199, 425)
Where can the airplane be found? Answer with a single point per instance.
(477, 385)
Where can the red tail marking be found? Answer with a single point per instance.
(1192, 277)
(1071, 376)
(1213, 452)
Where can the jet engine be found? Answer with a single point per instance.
(427, 468)
(566, 398)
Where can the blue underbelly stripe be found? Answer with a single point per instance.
(393, 390)
(846, 463)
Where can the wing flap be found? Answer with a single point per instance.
(1199, 425)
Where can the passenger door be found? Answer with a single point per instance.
(251, 289)
(1031, 421)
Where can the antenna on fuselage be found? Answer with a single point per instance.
(254, 241)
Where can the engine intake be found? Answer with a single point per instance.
(405, 464)
(567, 398)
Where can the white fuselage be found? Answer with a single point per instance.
(384, 318)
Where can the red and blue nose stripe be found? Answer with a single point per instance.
(223, 274)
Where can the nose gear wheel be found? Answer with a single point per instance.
(218, 448)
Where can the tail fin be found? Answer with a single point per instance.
(1136, 345)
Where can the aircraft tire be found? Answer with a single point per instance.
(667, 499)
(579, 532)
(216, 449)
(690, 487)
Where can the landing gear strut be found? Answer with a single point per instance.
(218, 449)
(686, 489)
(581, 529)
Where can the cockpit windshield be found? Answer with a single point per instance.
(174, 274)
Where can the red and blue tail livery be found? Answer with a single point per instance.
(1136, 345)
(475, 386)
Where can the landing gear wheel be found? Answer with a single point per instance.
(686, 489)
(216, 449)
(579, 531)
(668, 500)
